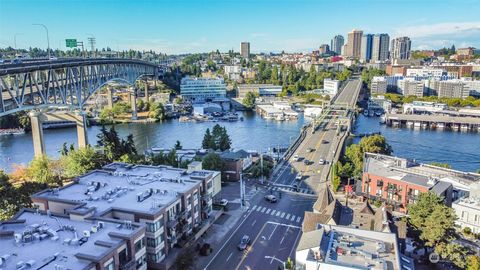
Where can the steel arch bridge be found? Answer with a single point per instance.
(66, 84)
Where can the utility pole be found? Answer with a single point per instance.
(261, 168)
(92, 41)
(242, 192)
(48, 39)
(15, 42)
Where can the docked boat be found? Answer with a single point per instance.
(371, 113)
(11, 131)
(424, 125)
(440, 125)
(383, 119)
(416, 125)
(378, 113)
(409, 124)
(365, 112)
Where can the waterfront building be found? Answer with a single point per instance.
(174, 204)
(331, 87)
(401, 47)
(410, 87)
(35, 239)
(339, 247)
(419, 107)
(366, 51)
(379, 103)
(235, 162)
(398, 181)
(447, 88)
(380, 45)
(468, 210)
(277, 111)
(337, 43)
(245, 49)
(378, 85)
(260, 89)
(354, 44)
(198, 90)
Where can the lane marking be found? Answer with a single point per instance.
(255, 221)
(293, 218)
(254, 207)
(229, 256)
(273, 212)
(274, 228)
(268, 211)
(283, 214)
(248, 250)
(288, 216)
(298, 219)
(263, 209)
(278, 213)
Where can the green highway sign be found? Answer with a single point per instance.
(71, 43)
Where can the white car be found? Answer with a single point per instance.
(299, 177)
(321, 161)
(296, 158)
(223, 202)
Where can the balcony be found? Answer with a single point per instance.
(128, 266)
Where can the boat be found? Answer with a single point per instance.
(409, 124)
(383, 119)
(371, 113)
(378, 113)
(280, 117)
(365, 112)
(11, 131)
(416, 124)
(440, 125)
(424, 125)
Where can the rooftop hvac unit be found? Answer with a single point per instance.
(86, 233)
(94, 229)
(66, 241)
(18, 238)
(20, 264)
(101, 225)
(74, 242)
(30, 263)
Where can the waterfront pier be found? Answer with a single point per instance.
(434, 122)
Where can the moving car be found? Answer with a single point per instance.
(223, 202)
(244, 242)
(324, 141)
(271, 198)
(299, 177)
(309, 150)
(295, 187)
(307, 162)
(296, 158)
(321, 161)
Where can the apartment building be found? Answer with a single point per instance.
(467, 210)
(260, 89)
(378, 85)
(354, 44)
(426, 72)
(245, 49)
(448, 89)
(198, 90)
(174, 204)
(398, 181)
(410, 87)
(36, 239)
(401, 47)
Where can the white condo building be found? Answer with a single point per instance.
(203, 89)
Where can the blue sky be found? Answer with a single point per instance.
(204, 25)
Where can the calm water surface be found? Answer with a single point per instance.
(461, 150)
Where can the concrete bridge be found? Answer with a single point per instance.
(59, 89)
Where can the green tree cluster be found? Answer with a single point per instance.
(114, 147)
(256, 169)
(249, 100)
(213, 161)
(80, 161)
(218, 139)
(352, 165)
(440, 164)
(369, 73)
(335, 177)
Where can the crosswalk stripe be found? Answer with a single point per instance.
(293, 218)
(268, 211)
(278, 213)
(273, 212)
(298, 219)
(263, 209)
(288, 216)
(283, 214)
(254, 207)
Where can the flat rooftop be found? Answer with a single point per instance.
(137, 188)
(417, 173)
(354, 248)
(37, 239)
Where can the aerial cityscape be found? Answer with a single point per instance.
(243, 135)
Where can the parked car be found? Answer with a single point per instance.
(16, 61)
(271, 198)
(244, 242)
(295, 187)
(223, 202)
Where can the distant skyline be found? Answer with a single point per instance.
(190, 26)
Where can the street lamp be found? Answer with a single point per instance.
(15, 41)
(48, 39)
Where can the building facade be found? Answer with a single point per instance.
(367, 43)
(245, 49)
(354, 44)
(174, 204)
(401, 47)
(331, 86)
(378, 85)
(199, 90)
(323, 49)
(380, 47)
(337, 43)
(411, 87)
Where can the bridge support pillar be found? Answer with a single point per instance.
(37, 134)
(133, 100)
(109, 97)
(146, 92)
(82, 137)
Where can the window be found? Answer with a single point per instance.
(209, 184)
(154, 226)
(139, 244)
(110, 266)
(153, 242)
(155, 257)
(141, 261)
(123, 257)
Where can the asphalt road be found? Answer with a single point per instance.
(274, 229)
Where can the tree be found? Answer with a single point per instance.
(208, 142)
(178, 145)
(218, 139)
(335, 178)
(432, 221)
(114, 147)
(473, 262)
(157, 111)
(453, 252)
(185, 260)
(81, 161)
(212, 161)
(375, 144)
(224, 142)
(249, 100)
(40, 170)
